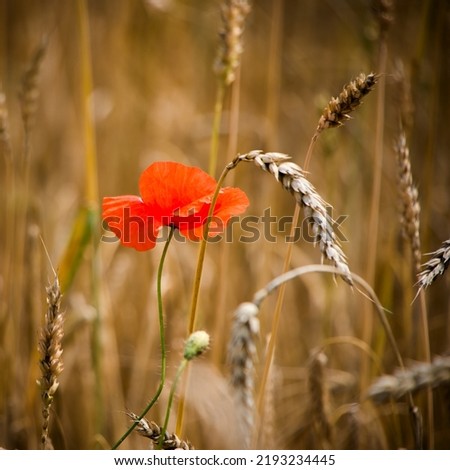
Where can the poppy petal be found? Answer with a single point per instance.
(168, 186)
(230, 202)
(131, 221)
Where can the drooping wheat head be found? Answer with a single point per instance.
(294, 180)
(410, 380)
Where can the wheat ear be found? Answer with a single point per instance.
(318, 396)
(5, 138)
(383, 11)
(294, 180)
(152, 431)
(339, 109)
(241, 358)
(51, 352)
(409, 200)
(29, 92)
(234, 13)
(436, 266)
(410, 380)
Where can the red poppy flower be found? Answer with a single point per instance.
(175, 195)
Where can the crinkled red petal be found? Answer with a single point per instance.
(169, 186)
(131, 221)
(230, 202)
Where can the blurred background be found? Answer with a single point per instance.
(151, 97)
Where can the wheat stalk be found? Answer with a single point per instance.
(436, 266)
(410, 380)
(293, 179)
(409, 199)
(241, 358)
(152, 431)
(51, 351)
(410, 221)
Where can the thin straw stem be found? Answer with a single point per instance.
(270, 352)
(218, 107)
(286, 277)
(202, 249)
(276, 317)
(375, 201)
(91, 198)
(222, 285)
(283, 278)
(198, 278)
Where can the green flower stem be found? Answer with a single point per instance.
(180, 371)
(162, 340)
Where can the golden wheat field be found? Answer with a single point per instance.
(350, 350)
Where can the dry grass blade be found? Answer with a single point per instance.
(409, 199)
(349, 99)
(436, 266)
(410, 380)
(293, 179)
(152, 431)
(234, 13)
(242, 357)
(51, 351)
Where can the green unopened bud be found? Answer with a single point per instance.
(196, 344)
